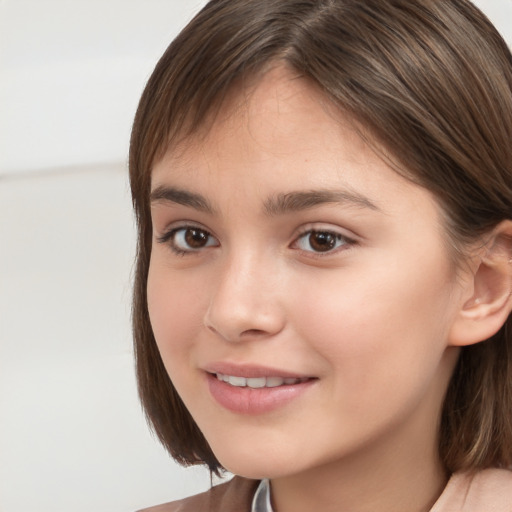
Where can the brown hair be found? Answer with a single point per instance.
(431, 80)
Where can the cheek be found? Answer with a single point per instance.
(175, 311)
(376, 321)
(382, 344)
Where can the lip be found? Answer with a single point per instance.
(253, 401)
(252, 371)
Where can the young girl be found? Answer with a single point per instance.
(323, 191)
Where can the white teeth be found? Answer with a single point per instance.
(237, 381)
(273, 382)
(258, 382)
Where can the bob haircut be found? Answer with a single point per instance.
(428, 80)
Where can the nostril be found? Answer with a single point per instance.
(211, 328)
(248, 333)
(253, 332)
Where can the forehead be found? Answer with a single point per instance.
(277, 116)
(277, 131)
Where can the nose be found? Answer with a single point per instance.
(244, 303)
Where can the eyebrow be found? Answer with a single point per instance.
(180, 196)
(297, 201)
(280, 204)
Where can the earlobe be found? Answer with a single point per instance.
(485, 312)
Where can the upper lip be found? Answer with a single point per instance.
(251, 371)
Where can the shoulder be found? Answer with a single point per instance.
(233, 496)
(489, 490)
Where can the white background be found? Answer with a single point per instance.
(72, 436)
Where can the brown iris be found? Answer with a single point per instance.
(322, 241)
(196, 238)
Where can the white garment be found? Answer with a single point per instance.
(261, 501)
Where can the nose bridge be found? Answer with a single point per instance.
(244, 300)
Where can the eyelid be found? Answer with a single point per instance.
(167, 231)
(350, 240)
(167, 236)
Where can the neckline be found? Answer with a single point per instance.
(261, 500)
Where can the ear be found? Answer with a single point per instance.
(490, 282)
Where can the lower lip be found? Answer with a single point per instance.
(245, 400)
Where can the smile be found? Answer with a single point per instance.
(259, 382)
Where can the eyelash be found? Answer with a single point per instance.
(169, 238)
(330, 237)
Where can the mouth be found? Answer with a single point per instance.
(259, 382)
(250, 390)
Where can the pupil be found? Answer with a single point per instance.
(196, 238)
(322, 242)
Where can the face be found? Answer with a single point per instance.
(300, 291)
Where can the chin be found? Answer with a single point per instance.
(256, 472)
(258, 464)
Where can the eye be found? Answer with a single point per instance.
(321, 241)
(188, 239)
